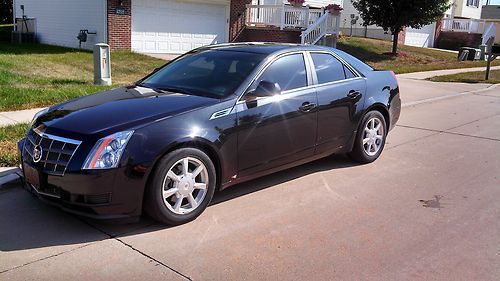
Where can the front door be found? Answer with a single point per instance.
(280, 129)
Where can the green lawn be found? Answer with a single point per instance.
(34, 75)
(9, 136)
(410, 59)
(40, 75)
(469, 77)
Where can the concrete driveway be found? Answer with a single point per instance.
(428, 209)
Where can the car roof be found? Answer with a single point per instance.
(261, 47)
(271, 49)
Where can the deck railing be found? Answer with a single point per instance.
(326, 24)
(282, 16)
(464, 25)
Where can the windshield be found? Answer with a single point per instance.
(208, 73)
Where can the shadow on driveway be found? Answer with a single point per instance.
(28, 223)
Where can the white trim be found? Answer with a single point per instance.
(105, 17)
(14, 13)
(228, 17)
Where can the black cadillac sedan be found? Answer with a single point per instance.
(212, 118)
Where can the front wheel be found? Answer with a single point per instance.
(182, 186)
(370, 139)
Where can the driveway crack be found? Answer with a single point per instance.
(136, 250)
(446, 132)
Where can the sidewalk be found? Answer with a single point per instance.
(428, 74)
(15, 117)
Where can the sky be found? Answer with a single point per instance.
(493, 2)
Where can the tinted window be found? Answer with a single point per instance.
(209, 73)
(289, 72)
(328, 68)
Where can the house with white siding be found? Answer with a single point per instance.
(173, 26)
(460, 24)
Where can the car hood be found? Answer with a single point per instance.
(118, 109)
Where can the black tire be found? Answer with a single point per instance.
(359, 154)
(154, 204)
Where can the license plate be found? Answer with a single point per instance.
(32, 176)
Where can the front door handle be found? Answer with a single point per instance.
(353, 94)
(307, 107)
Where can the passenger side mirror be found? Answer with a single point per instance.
(267, 89)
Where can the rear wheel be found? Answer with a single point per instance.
(182, 186)
(370, 139)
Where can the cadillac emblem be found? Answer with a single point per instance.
(37, 153)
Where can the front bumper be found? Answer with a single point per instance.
(98, 194)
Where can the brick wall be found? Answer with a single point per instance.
(269, 34)
(454, 40)
(237, 19)
(119, 26)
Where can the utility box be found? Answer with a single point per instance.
(102, 64)
(467, 53)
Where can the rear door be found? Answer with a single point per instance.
(277, 130)
(341, 92)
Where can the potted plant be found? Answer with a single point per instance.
(296, 3)
(334, 9)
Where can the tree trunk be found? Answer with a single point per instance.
(395, 43)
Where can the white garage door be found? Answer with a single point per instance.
(423, 37)
(173, 27)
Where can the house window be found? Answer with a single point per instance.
(473, 3)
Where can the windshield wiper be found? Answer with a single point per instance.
(163, 89)
(173, 90)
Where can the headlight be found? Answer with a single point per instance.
(107, 151)
(38, 114)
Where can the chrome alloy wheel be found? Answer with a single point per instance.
(185, 185)
(373, 136)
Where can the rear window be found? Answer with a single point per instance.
(360, 66)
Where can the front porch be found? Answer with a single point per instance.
(464, 25)
(286, 23)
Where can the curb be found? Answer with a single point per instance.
(10, 174)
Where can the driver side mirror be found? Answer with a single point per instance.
(267, 89)
(264, 89)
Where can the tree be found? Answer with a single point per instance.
(5, 11)
(395, 15)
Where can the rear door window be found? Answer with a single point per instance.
(329, 69)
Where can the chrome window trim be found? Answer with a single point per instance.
(339, 81)
(310, 70)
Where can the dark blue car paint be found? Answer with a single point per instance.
(244, 144)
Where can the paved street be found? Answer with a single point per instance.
(428, 209)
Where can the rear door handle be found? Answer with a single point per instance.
(353, 94)
(307, 107)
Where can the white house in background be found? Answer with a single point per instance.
(348, 27)
(163, 26)
(463, 16)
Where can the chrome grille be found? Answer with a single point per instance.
(56, 151)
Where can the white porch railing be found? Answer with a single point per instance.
(464, 25)
(282, 16)
(326, 24)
